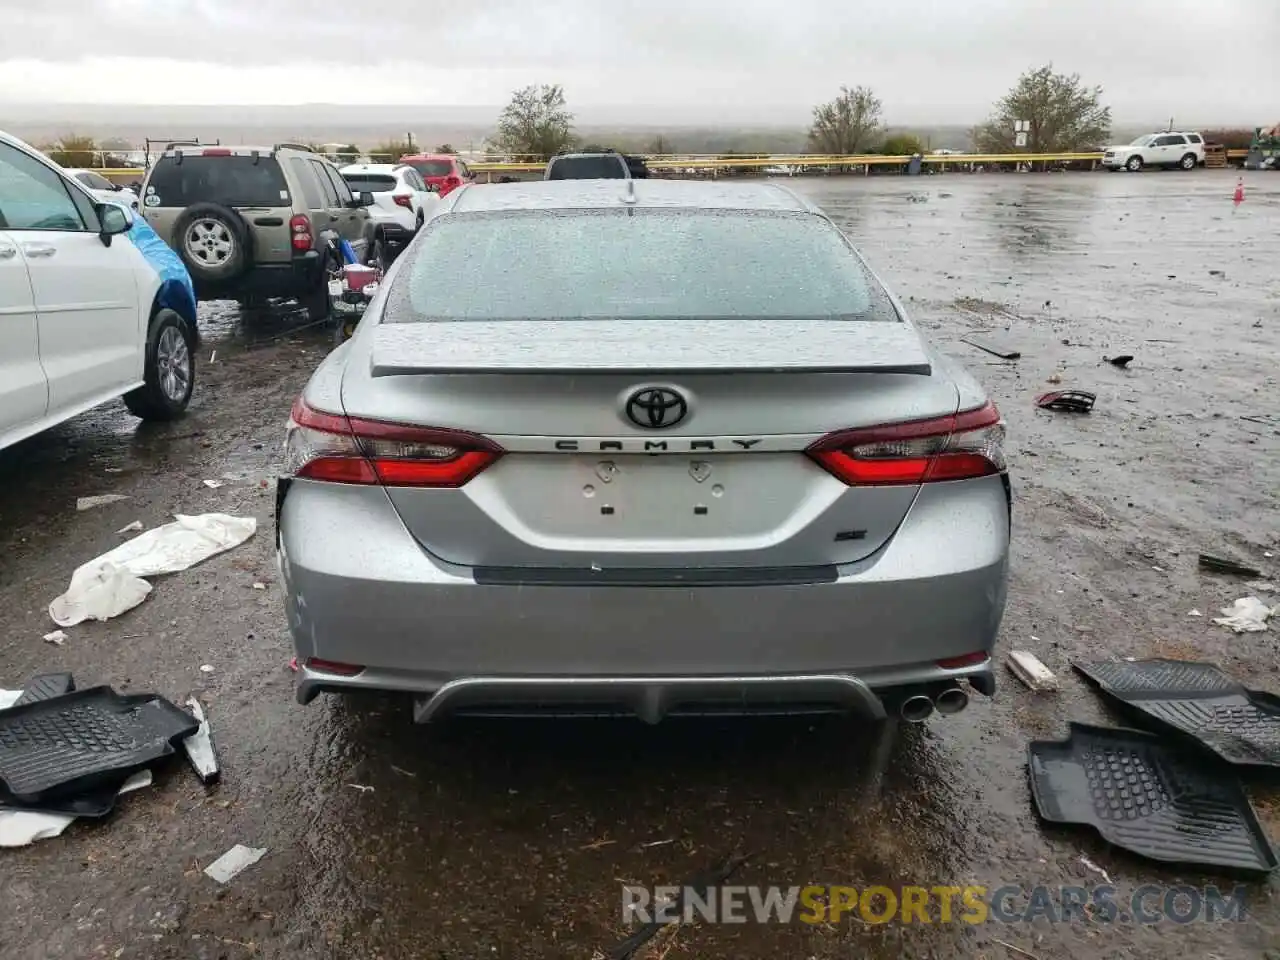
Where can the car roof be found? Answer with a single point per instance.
(428, 156)
(596, 194)
(388, 168)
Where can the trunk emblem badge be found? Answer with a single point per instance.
(606, 470)
(700, 470)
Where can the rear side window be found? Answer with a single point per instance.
(635, 265)
(588, 168)
(310, 190)
(432, 168)
(370, 182)
(1194, 138)
(231, 181)
(330, 192)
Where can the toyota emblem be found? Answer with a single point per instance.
(656, 407)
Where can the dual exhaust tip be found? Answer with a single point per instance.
(920, 707)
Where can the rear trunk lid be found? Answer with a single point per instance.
(588, 483)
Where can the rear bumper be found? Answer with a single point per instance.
(265, 280)
(360, 590)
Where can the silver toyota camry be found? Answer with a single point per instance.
(643, 446)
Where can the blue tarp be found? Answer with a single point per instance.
(176, 290)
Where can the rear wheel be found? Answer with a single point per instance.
(1188, 162)
(170, 370)
(1133, 164)
(380, 253)
(316, 300)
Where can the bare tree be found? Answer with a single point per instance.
(1063, 114)
(661, 146)
(75, 151)
(391, 151)
(848, 122)
(535, 125)
(446, 148)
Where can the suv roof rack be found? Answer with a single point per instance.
(293, 146)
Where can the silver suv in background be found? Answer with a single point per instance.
(252, 223)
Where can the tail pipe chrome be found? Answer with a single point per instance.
(951, 700)
(916, 709)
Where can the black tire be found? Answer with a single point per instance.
(170, 369)
(1133, 164)
(1188, 162)
(344, 329)
(379, 253)
(316, 300)
(222, 251)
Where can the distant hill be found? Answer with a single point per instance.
(751, 130)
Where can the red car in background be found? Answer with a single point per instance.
(441, 170)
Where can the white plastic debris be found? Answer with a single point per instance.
(213, 484)
(199, 746)
(206, 668)
(228, 866)
(21, 827)
(1028, 668)
(361, 787)
(1246, 615)
(259, 586)
(8, 698)
(1194, 613)
(88, 503)
(57, 637)
(1094, 867)
(108, 585)
(131, 528)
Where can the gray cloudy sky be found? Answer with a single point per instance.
(929, 60)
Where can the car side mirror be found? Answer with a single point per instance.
(114, 220)
(365, 199)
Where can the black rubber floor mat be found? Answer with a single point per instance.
(70, 744)
(44, 686)
(1148, 798)
(97, 802)
(1198, 699)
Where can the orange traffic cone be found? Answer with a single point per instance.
(1238, 197)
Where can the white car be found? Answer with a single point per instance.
(402, 201)
(104, 189)
(1185, 150)
(93, 305)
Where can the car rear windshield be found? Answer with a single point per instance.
(232, 181)
(588, 168)
(633, 265)
(432, 168)
(371, 182)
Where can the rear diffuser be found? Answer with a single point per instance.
(68, 745)
(1197, 699)
(1145, 797)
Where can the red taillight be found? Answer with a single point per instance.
(215, 153)
(339, 449)
(333, 666)
(403, 200)
(956, 447)
(966, 660)
(300, 232)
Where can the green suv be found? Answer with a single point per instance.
(253, 223)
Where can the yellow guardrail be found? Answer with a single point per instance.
(672, 162)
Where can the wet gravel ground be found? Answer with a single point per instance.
(508, 839)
